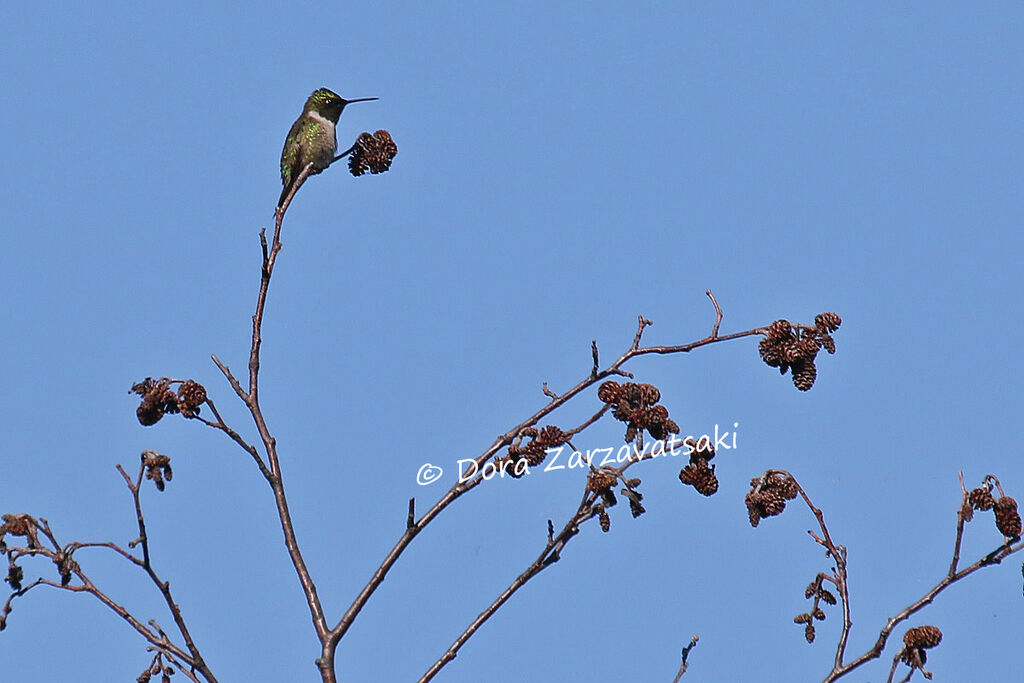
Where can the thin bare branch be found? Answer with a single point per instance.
(597, 416)
(232, 380)
(234, 436)
(641, 325)
(892, 669)
(273, 473)
(196, 659)
(718, 313)
(960, 522)
(838, 554)
(112, 546)
(684, 665)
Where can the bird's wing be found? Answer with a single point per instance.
(290, 154)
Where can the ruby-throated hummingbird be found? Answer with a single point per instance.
(312, 137)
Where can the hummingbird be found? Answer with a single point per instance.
(312, 137)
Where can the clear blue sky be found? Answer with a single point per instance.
(561, 170)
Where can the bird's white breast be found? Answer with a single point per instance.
(326, 123)
(325, 156)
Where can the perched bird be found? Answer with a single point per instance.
(312, 137)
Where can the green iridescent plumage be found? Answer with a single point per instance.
(312, 137)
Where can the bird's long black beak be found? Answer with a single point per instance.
(361, 99)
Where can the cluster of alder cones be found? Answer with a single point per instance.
(635, 404)
(1005, 508)
(794, 347)
(372, 153)
(602, 482)
(820, 594)
(158, 399)
(158, 468)
(28, 527)
(535, 449)
(698, 473)
(164, 671)
(16, 525)
(768, 495)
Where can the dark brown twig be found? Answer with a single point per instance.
(838, 554)
(960, 522)
(250, 396)
(594, 418)
(196, 659)
(684, 665)
(234, 436)
(718, 313)
(892, 669)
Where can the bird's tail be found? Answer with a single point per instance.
(284, 193)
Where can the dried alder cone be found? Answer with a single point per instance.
(602, 481)
(23, 526)
(819, 594)
(768, 495)
(981, 498)
(794, 347)
(1007, 516)
(635, 507)
(159, 399)
(698, 473)
(922, 636)
(816, 590)
(191, 395)
(917, 640)
(156, 669)
(634, 404)
(65, 567)
(18, 525)
(533, 451)
(158, 468)
(15, 575)
(372, 153)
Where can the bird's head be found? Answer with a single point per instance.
(329, 104)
